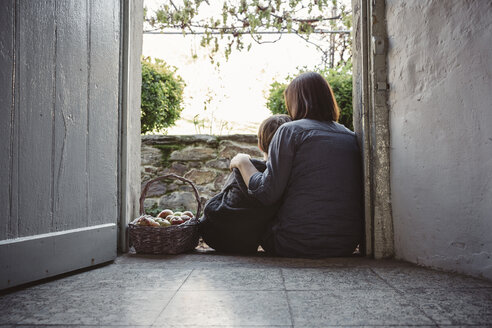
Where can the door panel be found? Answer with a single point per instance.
(60, 64)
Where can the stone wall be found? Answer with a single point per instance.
(203, 159)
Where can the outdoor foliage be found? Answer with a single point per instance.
(162, 95)
(340, 80)
(323, 23)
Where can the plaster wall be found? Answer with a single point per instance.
(440, 76)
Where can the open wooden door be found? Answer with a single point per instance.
(60, 131)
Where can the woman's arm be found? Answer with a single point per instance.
(269, 186)
(247, 169)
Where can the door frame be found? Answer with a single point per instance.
(371, 122)
(129, 136)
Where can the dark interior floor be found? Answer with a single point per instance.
(206, 289)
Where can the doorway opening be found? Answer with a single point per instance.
(187, 59)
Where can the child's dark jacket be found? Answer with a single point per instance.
(233, 221)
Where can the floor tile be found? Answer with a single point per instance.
(84, 326)
(226, 308)
(18, 305)
(234, 279)
(218, 290)
(213, 260)
(220, 326)
(416, 277)
(114, 276)
(102, 307)
(352, 308)
(455, 307)
(332, 279)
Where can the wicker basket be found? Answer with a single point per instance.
(169, 240)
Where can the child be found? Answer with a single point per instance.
(233, 221)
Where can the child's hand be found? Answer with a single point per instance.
(238, 160)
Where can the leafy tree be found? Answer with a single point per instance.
(162, 95)
(275, 100)
(303, 18)
(340, 80)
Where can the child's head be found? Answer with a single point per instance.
(268, 128)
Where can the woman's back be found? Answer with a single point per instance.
(314, 169)
(319, 168)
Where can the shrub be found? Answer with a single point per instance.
(162, 95)
(340, 80)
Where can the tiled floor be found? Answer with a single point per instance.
(212, 290)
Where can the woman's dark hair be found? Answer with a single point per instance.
(268, 128)
(310, 96)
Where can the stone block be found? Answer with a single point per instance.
(149, 168)
(150, 156)
(144, 176)
(210, 141)
(175, 168)
(241, 138)
(193, 154)
(179, 201)
(201, 176)
(149, 202)
(148, 172)
(219, 164)
(195, 164)
(156, 189)
(185, 187)
(228, 149)
(172, 187)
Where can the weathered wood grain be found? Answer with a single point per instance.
(36, 61)
(70, 171)
(7, 38)
(103, 111)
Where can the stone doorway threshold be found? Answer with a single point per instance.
(207, 289)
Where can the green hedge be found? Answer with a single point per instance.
(162, 95)
(340, 80)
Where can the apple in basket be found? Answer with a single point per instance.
(148, 221)
(163, 222)
(141, 220)
(176, 220)
(188, 213)
(165, 213)
(185, 217)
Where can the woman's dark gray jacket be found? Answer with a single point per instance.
(314, 170)
(233, 221)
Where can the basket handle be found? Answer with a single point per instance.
(171, 175)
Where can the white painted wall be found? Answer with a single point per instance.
(440, 68)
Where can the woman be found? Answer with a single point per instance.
(314, 170)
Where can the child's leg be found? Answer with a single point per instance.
(268, 241)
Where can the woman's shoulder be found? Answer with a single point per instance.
(307, 125)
